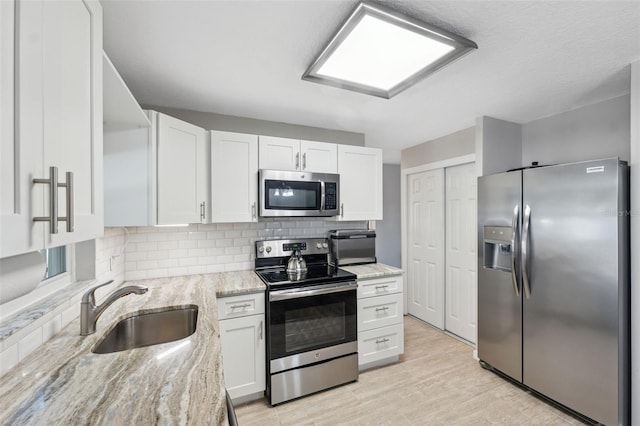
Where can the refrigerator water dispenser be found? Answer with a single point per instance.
(497, 248)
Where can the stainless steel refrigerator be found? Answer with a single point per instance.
(554, 283)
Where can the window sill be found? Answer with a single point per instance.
(16, 326)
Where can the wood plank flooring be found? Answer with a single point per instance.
(436, 382)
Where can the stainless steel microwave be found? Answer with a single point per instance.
(287, 193)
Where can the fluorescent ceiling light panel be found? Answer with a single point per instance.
(381, 53)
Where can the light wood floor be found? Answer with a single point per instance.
(436, 382)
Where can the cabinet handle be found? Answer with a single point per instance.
(253, 210)
(244, 305)
(260, 331)
(52, 181)
(69, 218)
(382, 287)
(342, 210)
(297, 161)
(304, 161)
(384, 308)
(202, 214)
(379, 341)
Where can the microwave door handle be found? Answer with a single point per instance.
(322, 206)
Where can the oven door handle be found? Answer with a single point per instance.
(300, 292)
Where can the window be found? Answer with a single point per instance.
(56, 260)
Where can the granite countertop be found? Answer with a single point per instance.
(372, 270)
(179, 382)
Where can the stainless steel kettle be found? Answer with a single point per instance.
(296, 263)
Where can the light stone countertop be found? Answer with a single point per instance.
(180, 382)
(373, 270)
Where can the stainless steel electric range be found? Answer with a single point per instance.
(312, 341)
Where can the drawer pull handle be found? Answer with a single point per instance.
(380, 341)
(244, 305)
(382, 287)
(384, 308)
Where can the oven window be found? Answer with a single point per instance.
(308, 323)
(312, 326)
(292, 195)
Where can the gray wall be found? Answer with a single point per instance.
(454, 145)
(498, 145)
(595, 131)
(388, 237)
(230, 123)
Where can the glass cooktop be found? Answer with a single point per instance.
(314, 275)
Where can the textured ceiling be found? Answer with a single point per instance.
(245, 58)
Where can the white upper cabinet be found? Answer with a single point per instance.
(360, 171)
(182, 172)
(51, 117)
(319, 157)
(279, 153)
(157, 175)
(296, 155)
(234, 177)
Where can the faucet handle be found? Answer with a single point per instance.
(89, 295)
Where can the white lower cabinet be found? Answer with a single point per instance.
(380, 321)
(242, 332)
(380, 343)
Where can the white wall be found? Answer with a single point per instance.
(455, 145)
(172, 251)
(388, 236)
(595, 131)
(635, 240)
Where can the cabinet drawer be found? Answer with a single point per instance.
(379, 286)
(240, 306)
(381, 311)
(381, 343)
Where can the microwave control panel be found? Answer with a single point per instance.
(330, 196)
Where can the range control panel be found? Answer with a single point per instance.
(281, 248)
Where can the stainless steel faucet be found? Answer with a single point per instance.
(89, 312)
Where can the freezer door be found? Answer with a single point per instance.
(499, 295)
(571, 319)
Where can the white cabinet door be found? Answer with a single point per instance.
(243, 355)
(320, 157)
(279, 153)
(72, 128)
(182, 172)
(21, 128)
(234, 177)
(57, 120)
(360, 171)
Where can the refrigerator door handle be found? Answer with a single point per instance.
(514, 248)
(525, 250)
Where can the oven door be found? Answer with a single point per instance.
(305, 320)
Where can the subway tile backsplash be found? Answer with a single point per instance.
(153, 252)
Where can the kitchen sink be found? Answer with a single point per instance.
(149, 328)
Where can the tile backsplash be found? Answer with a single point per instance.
(153, 252)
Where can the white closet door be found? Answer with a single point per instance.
(425, 264)
(461, 259)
